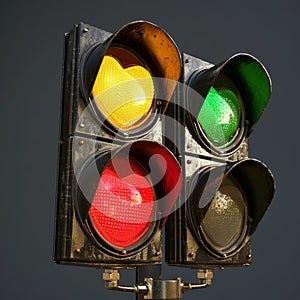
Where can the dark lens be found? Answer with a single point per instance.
(223, 224)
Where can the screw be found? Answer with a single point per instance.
(81, 125)
(249, 256)
(85, 29)
(77, 250)
(157, 253)
(123, 252)
(188, 60)
(81, 142)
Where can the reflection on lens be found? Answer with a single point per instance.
(224, 222)
(122, 208)
(123, 93)
(220, 116)
(258, 86)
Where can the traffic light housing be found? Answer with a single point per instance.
(117, 181)
(225, 193)
(152, 137)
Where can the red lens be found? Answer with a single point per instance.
(123, 205)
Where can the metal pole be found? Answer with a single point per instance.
(147, 272)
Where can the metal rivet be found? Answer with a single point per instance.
(188, 161)
(249, 256)
(77, 250)
(157, 253)
(85, 29)
(191, 254)
(81, 125)
(81, 142)
(123, 252)
(188, 60)
(67, 33)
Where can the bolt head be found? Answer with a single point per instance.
(108, 276)
(205, 274)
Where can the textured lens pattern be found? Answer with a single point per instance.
(123, 95)
(223, 223)
(220, 116)
(123, 205)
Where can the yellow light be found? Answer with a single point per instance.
(124, 96)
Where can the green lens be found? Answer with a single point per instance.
(220, 116)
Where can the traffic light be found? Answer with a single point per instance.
(117, 181)
(150, 138)
(225, 193)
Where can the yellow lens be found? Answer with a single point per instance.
(123, 95)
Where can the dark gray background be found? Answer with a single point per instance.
(31, 57)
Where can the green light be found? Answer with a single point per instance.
(220, 116)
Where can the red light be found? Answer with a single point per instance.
(123, 205)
